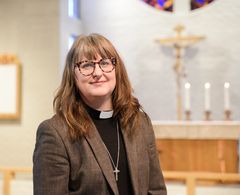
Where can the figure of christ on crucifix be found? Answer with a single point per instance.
(179, 42)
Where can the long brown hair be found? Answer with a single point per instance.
(68, 102)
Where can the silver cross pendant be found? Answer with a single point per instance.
(116, 171)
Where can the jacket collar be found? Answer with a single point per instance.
(131, 151)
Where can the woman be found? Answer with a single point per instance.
(99, 142)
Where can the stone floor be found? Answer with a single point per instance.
(24, 187)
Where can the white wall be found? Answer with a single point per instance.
(133, 26)
(29, 29)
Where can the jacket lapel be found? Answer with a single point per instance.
(102, 158)
(131, 151)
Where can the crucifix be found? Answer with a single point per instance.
(116, 171)
(179, 42)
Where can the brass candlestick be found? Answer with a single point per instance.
(207, 115)
(188, 115)
(227, 115)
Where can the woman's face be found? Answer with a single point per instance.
(96, 88)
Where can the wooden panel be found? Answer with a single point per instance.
(198, 155)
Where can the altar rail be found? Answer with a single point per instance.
(9, 174)
(189, 178)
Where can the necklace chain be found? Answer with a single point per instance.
(116, 170)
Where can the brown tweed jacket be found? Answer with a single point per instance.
(63, 167)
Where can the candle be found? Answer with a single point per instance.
(226, 96)
(207, 96)
(187, 96)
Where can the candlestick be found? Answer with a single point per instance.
(207, 115)
(187, 96)
(227, 115)
(207, 96)
(188, 115)
(226, 96)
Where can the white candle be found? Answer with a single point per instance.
(207, 96)
(187, 96)
(226, 96)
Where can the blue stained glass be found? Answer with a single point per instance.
(165, 5)
(161, 2)
(201, 1)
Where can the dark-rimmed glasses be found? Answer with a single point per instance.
(87, 67)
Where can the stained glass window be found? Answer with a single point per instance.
(175, 5)
(166, 5)
(195, 4)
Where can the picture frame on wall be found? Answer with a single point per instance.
(10, 87)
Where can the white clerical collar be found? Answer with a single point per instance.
(106, 114)
(97, 114)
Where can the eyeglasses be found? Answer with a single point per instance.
(87, 67)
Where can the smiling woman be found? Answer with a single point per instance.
(100, 141)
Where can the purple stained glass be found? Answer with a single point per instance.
(168, 5)
(195, 4)
(165, 5)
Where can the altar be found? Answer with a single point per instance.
(206, 146)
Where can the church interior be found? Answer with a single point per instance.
(182, 60)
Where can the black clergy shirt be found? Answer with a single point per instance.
(107, 128)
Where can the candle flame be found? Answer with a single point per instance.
(187, 85)
(226, 85)
(207, 85)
